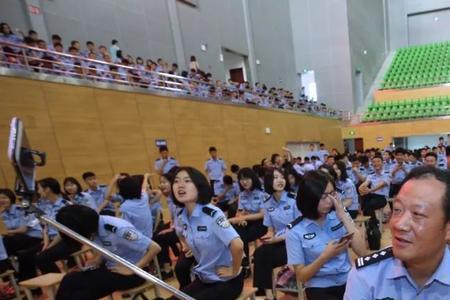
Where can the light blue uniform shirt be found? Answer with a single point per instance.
(400, 174)
(278, 214)
(376, 179)
(3, 254)
(347, 189)
(387, 278)
(215, 168)
(322, 153)
(14, 217)
(51, 209)
(231, 194)
(306, 241)
(252, 201)
(121, 238)
(85, 199)
(99, 196)
(137, 212)
(208, 234)
(171, 162)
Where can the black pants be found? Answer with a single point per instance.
(329, 293)
(27, 260)
(95, 284)
(222, 290)
(45, 260)
(20, 241)
(183, 269)
(231, 209)
(267, 257)
(372, 202)
(211, 183)
(250, 233)
(167, 241)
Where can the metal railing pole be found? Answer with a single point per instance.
(138, 271)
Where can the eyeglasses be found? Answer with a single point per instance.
(326, 195)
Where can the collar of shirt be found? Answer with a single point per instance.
(195, 213)
(330, 216)
(283, 199)
(397, 270)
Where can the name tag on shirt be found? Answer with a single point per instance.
(202, 228)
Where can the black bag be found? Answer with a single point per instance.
(373, 234)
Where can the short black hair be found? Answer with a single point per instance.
(227, 180)
(249, 173)
(80, 218)
(130, 187)
(56, 37)
(274, 157)
(163, 148)
(377, 156)
(431, 154)
(114, 42)
(443, 176)
(330, 170)
(310, 192)
(212, 148)
(234, 168)
(10, 194)
(51, 183)
(87, 174)
(201, 183)
(400, 151)
(268, 180)
(74, 181)
(90, 43)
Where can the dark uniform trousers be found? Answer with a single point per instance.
(222, 290)
(95, 284)
(20, 241)
(183, 269)
(372, 202)
(329, 293)
(267, 257)
(250, 233)
(45, 260)
(166, 241)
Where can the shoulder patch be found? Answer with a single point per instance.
(373, 258)
(295, 222)
(209, 211)
(130, 235)
(223, 222)
(292, 195)
(110, 227)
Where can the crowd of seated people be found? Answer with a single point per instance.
(112, 65)
(253, 203)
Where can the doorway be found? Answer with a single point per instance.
(353, 145)
(237, 75)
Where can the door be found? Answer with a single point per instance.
(237, 75)
(359, 145)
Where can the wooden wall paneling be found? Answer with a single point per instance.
(123, 131)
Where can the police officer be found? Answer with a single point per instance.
(279, 211)
(418, 263)
(214, 243)
(347, 189)
(215, 168)
(248, 221)
(165, 162)
(399, 170)
(98, 192)
(227, 195)
(54, 248)
(113, 234)
(74, 193)
(135, 207)
(375, 190)
(317, 241)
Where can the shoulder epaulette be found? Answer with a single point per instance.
(158, 159)
(373, 258)
(179, 213)
(267, 198)
(102, 185)
(209, 211)
(295, 222)
(171, 157)
(291, 195)
(110, 227)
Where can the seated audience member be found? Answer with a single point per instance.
(279, 210)
(98, 192)
(417, 264)
(315, 243)
(74, 193)
(215, 245)
(104, 275)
